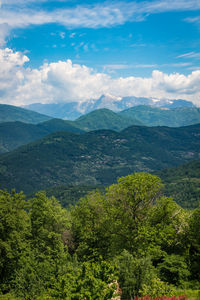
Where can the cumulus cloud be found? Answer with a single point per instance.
(64, 81)
(11, 72)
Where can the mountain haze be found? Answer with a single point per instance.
(73, 110)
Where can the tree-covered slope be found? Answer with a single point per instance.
(98, 157)
(15, 134)
(54, 125)
(70, 194)
(10, 113)
(104, 119)
(183, 183)
(153, 116)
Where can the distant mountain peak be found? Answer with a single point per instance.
(73, 110)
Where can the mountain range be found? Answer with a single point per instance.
(97, 157)
(73, 110)
(16, 133)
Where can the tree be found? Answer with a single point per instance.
(14, 233)
(194, 239)
(47, 252)
(87, 280)
(133, 274)
(105, 224)
(174, 269)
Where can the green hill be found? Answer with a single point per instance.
(15, 134)
(55, 125)
(98, 157)
(183, 183)
(10, 113)
(152, 116)
(104, 119)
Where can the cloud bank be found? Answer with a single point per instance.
(64, 81)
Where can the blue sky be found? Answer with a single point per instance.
(153, 42)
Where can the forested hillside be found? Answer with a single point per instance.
(10, 113)
(96, 158)
(183, 184)
(129, 241)
(16, 134)
(154, 116)
(105, 119)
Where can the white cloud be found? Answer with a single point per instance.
(190, 55)
(18, 14)
(65, 81)
(11, 72)
(62, 35)
(193, 20)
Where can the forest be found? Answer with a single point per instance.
(127, 241)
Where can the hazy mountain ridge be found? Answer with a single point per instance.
(10, 113)
(16, 134)
(154, 116)
(105, 119)
(73, 110)
(97, 157)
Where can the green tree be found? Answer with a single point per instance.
(14, 233)
(86, 280)
(194, 238)
(47, 252)
(174, 269)
(133, 274)
(107, 224)
(169, 224)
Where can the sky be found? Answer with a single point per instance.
(70, 50)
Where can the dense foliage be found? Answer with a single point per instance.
(130, 240)
(183, 183)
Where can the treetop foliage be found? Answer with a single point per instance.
(129, 240)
